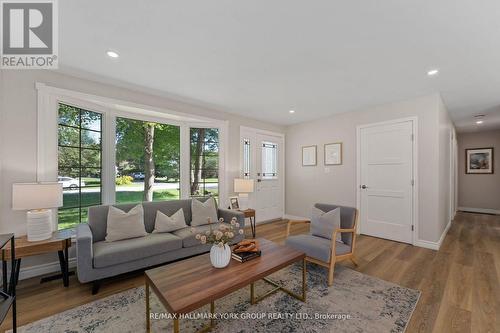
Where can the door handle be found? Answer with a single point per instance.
(364, 187)
(259, 180)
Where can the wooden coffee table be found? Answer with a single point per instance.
(189, 284)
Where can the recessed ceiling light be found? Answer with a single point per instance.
(433, 72)
(112, 54)
(291, 111)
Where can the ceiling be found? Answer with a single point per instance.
(262, 58)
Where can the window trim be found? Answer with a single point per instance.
(49, 97)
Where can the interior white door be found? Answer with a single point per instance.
(386, 181)
(268, 196)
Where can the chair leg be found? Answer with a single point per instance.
(354, 260)
(330, 272)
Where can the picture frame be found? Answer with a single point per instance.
(479, 161)
(309, 155)
(333, 153)
(235, 204)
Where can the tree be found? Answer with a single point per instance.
(204, 156)
(199, 137)
(149, 147)
(149, 164)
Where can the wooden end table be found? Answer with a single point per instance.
(8, 295)
(60, 242)
(189, 284)
(250, 214)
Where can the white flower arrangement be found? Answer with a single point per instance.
(221, 234)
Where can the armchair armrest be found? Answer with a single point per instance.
(290, 222)
(340, 230)
(84, 255)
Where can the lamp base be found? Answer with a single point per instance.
(39, 225)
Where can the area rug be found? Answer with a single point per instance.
(355, 303)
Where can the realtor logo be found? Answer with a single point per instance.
(29, 34)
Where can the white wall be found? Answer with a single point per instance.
(308, 185)
(18, 129)
(446, 136)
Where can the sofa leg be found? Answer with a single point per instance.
(95, 287)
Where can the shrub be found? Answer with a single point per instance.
(124, 180)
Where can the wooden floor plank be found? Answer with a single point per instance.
(459, 283)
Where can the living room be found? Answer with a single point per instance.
(299, 167)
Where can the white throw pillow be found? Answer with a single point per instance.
(202, 211)
(324, 223)
(164, 223)
(123, 225)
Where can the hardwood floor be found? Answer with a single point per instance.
(459, 283)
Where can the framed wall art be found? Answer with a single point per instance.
(479, 161)
(309, 155)
(333, 153)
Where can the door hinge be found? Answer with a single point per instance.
(412, 182)
(412, 137)
(412, 228)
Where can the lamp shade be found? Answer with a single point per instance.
(243, 185)
(29, 196)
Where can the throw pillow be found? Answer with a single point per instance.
(164, 223)
(202, 211)
(324, 223)
(123, 225)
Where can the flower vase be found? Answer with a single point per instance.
(220, 256)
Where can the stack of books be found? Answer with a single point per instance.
(245, 256)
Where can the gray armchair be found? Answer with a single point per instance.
(323, 251)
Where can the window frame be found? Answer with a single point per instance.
(80, 207)
(47, 136)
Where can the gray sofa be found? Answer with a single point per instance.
(97, 259)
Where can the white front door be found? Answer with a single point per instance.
(265, 164)
(386, 180)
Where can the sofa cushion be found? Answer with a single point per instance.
(123, 225)
(316, 247)
(113, 253)
(203, 211)
(189, 237)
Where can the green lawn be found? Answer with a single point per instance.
(68, 218)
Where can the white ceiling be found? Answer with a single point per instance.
(263, 58)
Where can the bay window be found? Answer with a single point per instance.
(107, 153)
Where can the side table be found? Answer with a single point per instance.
(59, 242)
(250, 214)
(8, 294)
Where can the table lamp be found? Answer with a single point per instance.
(37, 199)
(243, 187)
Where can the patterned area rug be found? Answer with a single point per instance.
(355, 303)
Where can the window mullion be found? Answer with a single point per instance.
(185, 162)
(109, 159)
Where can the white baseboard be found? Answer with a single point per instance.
(294, 217)
(433, 245)
(42, 269)
(479, 210)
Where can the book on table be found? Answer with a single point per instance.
(245, 256)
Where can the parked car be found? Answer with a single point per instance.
(138, 175)
(68, 182)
